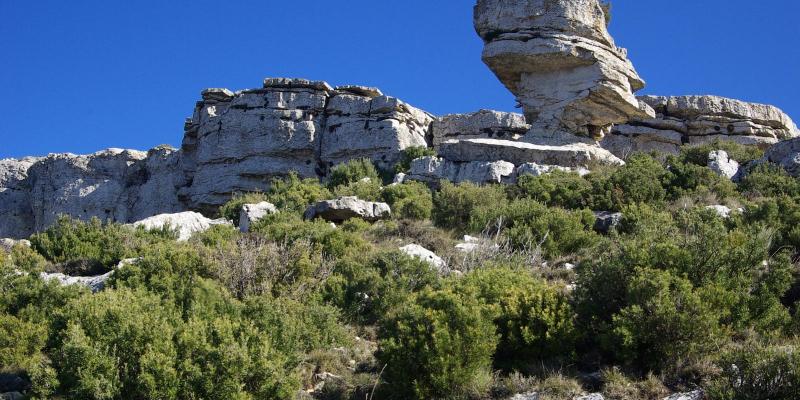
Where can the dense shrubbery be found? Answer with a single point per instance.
(675, 295)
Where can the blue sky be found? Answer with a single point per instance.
(84, 75)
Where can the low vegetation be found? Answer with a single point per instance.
(674, 298)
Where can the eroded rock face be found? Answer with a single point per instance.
(786, 155)
(574, 155)
(185, 223)
(344, 208)
(433, 169)
(16, 213)
(252, 213)
(696, 120)
(485, 124)
(557, 58)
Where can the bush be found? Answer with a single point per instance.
(698, 155)
(755, 371)
(20, 343)
(295, 194)
(534, 319)
(556, 189)
(411, 200)
(233, 207)
(528, 224)
(437, 346)
(769, 181)
(365, 190)
(455, 205)
(288, 228)
(353, 171)
(410, 154)
(687, 179)
(84, 247)
(640, 180)
(665, 322)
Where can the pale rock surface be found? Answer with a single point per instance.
(558, 59)
(722, 164)
(7, 244)
(786, 155)
(344, 208)
(16, 213)
(698, 120)
(417, 251)
(470, 244)
(720, 210)
(252, 213)
(94, 283)
(486, 124)
(574, 155)
(433, 169)
(534, 169)
(185, 223)
(694, 395)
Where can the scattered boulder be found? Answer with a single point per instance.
(558, 59)
(721, 211)
(605, 221)
(185, 223)
(693, 395)
(251, 213)
(470, 244)
(347, 207)
(722, 165)
(417, 251)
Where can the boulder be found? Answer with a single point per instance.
(344, 208)
(558, 59)
(525, 396)
(722, 165)
(94, 283)
(251, 213)
(693, 395)
(417, 251)
(470, 244)
(485, 124)
(593, 396)
(720, 210)
(786, 155)
(605, 221)
(185, 223)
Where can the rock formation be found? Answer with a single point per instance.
(185, 223)
(252, 213)
(557, 58)
(696, 120)
(786, 155)
(344, 208)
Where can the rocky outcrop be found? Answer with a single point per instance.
(558, 59)
(574, 155)
(252, 213)
(696, 120)
(185, 223)
(486, 124)
(239, 142)
(432, 170)
(722, 164)
(344, 208)
(785, 155)
(93, 283)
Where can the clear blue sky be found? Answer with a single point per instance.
(84, 75)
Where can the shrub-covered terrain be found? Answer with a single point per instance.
(676, 297)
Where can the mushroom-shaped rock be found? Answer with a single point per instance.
(185, 223)
(417, 251)
(722, 164)
(344, 208)
(251, 213)
(558, 59)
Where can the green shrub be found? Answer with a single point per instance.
(233, 207)
(287, 228)
(20, 343)
(353, 171)
(84, 247)
(665, 322)
(534, 319)
(455, 205)
(640, 180)
(698, 155)
(769, 181)
(437, 346)
(410, 154)
(295, 194)
(365, 190)
(411, 200)
(686, 179)
(26, 259)
(556, 189)
(755, 371)
(528, 224)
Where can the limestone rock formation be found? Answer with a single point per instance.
(786, 155)
(185, 223)
(433, 169)
(721, 164)
(344, 208)
(557, 58)
(573, 155)
(252, 213)
(696, 120)
(486, 124)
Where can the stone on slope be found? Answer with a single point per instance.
(486, 124)
(606, 221)
(417, 251)
(786, 155)
(722, 165)
(558, 59)
(185, 223)
(721, 211)
(344, 208)
(94, 283)
(252, 213)
(693, 395)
